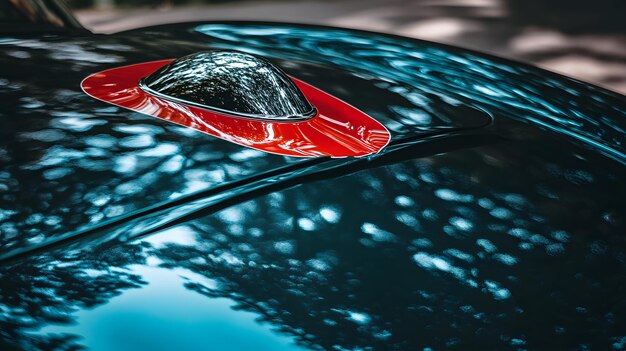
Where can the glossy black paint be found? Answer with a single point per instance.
(230, 82)
(461, 234)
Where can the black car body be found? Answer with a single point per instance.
(494, 219)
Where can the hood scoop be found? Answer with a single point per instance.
(242, 99)
(230, 82)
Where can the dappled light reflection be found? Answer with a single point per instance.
(494, 219)
(423, 253)
(414, 68)
(69, 161)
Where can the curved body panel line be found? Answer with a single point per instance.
(494, 219)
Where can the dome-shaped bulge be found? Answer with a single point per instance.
(230, 82)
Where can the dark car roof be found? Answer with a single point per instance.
(494, 218)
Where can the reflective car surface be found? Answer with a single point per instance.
(494, 219)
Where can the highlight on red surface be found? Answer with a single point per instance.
(338, 129)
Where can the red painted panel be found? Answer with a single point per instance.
(338, 129)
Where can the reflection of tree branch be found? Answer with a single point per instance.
(259, 186)
(41, 292)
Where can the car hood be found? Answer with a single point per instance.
(494, 189)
